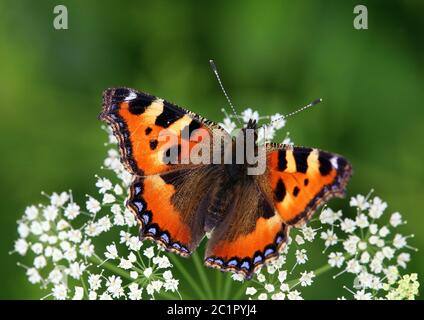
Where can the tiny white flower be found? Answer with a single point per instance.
(350, 245)
(249, 114)
(308, 233)
(388, 252)
(147, 272)
(118, 190)
(93, 205)
(104, 224)
(95, 281)
(353, 266)
(79, 293)
(92, 295)
(111, 252)
(362, 295)
(294, 295)
(134, 274)
(55, 276)
(72, 211)
(108, 198)
(40, 262)
(348, 225)
(171, 284)
(114, 286)
(149, 253)
(336, 259)
(60, 292)
(58, 255)
(373, 240)
(362, 221)
(37, 248)
(282, 276)
(306, 278)
(125, 264)
(365, 257)
(75, 235)
(23, 230)
(269, 287)
(278, 296)
(31, 212)
(328, 216)
(134, 243)
(237, 277)
(377, 208)
(104, 185)
(403, 259)
(376, 265)
(86, 248)
(250, 291)
(105, 296)
(21, 246)
(130, 219)
(373, 228)
(228, 125)
(76, 270)
(301, 256)
(384, 231)
(50, 213)
(157, 285)
(135, 291)
(33, 275)
(359, 201)
(329, 237)
(399, 241)
(167, 275)
(59, 200)
(116, 209)
(396, 219)
(299, 240)
(62, 225)
(263, 296)
(261, 277)
(278, 121)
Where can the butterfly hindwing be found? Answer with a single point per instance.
(170, 208)
(250, 234)
(302, 179)
(138, 119)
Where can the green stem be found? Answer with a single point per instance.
(202, 274)
(227, 288)
(111, 267)
(187, 276)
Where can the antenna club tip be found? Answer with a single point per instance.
(316, 101)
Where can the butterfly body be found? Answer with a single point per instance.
(176, 204)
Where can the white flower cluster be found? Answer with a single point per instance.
(363, 246)
(266, 132)
(64, 243)
(366, 246)
(275, 281)
(72, 257)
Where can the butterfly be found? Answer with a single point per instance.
(248, 217)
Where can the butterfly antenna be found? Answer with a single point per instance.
(313, 103)
(215, 71)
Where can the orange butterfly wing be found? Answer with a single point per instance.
(302, 179)
(156, 195)
(137, 120)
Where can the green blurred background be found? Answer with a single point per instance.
(273, 56)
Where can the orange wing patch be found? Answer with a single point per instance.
(137, 120)
(302, 179)
(150, 200)
(245, 253)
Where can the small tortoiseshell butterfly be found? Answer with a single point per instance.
(249, 216)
